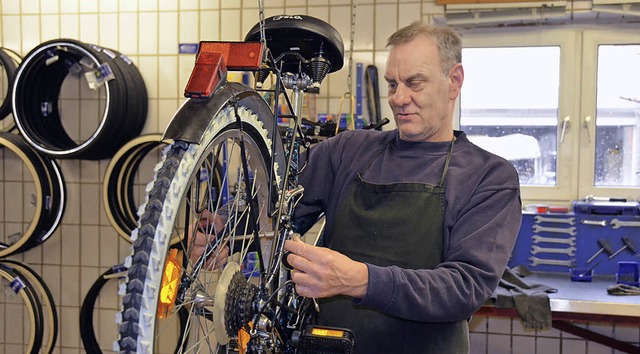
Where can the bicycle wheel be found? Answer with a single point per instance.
(183, 199)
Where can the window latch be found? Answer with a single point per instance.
(585, 124)
(565, 127)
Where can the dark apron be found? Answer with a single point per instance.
(393, 224)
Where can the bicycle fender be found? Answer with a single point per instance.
(192, 118)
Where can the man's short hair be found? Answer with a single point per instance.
(448, 41)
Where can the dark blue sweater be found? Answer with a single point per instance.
(482, 218)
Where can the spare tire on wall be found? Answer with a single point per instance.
(9, 61)
(46, 187)
(76, 100)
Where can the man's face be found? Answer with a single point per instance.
(422, 100)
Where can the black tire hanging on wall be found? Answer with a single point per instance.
(47, 303)
(8, 61)
(49, 196)
(36, 94)
(118, 191)
(34, 317)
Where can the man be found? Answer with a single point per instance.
(420, 222)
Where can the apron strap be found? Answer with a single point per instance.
(446, 163)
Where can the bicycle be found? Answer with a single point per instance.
(230, 175)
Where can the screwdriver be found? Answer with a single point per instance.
(628, 243)
(604, 246)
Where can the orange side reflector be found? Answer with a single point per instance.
(170, 282)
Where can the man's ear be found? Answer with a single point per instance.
(456, 75)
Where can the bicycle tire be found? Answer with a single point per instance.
(46, 299)
(36, 93)
(176, 189)
(87, 332)
(55, 203)
(34, 310)
(10, 65)
(13, 60)
(49, 192)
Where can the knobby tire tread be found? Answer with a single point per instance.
(137, 273)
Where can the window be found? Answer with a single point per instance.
(610, 120)
(562, 105)
(513, 111)
(617, 140)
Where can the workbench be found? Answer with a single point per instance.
(583, 302)
(552, 245)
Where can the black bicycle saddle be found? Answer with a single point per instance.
(305, 35)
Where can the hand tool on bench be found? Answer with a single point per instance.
(535, 261)
(569, 251)
(571, 241)
(628, 243)
(616, 224)
(569, 230)
(604, 247)
(594, 222)
(540, 219)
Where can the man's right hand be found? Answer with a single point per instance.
(204, 235)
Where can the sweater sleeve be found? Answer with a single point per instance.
(478, 244)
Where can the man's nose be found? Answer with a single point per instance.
(401, 96)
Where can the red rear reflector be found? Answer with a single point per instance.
(215, 58)
(237, 55)
(207, 73)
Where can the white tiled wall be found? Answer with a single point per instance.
(148, 31)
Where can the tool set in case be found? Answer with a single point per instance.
(590, 240)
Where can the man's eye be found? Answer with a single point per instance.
(392, 86)
(415, 85)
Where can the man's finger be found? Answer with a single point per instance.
(300, 263)
(295, 245)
